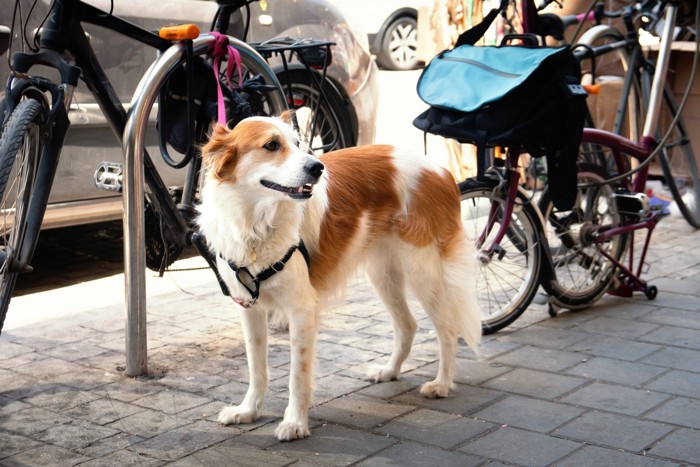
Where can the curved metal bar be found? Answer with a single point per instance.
(133, 186)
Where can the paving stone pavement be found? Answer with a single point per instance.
(615, 384)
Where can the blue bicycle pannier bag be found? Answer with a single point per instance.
(492, 72)
(510, 96)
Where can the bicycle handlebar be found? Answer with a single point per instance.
(549, 24)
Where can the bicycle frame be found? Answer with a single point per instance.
(622, 148)
(511, 183)
(64, 32)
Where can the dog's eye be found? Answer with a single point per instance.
(272, 145)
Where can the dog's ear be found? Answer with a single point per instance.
(216, 144)
(287, 117)
(219, 154)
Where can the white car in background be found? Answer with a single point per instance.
(391, 27)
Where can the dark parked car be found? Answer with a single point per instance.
(74, 199)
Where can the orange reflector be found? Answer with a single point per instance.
(592, 88)
(179, 33)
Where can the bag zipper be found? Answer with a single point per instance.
(503, 74)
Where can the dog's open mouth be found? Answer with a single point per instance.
(297, 192)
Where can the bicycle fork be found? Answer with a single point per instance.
(510, 181)
(502, 208)
(53, 131)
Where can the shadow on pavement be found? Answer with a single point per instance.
(72, 255)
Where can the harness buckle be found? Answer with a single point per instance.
(249, 282)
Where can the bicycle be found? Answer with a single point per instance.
(619, 64)
(577, 255)
(36, 122)
(614, 50)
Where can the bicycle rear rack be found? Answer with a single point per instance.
(313, 55)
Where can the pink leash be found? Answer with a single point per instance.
(222, 48)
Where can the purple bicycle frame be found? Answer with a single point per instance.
(620, 148)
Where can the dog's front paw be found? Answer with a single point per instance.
(433, 390)
(380, 374)
(289, 431)
(236, 415)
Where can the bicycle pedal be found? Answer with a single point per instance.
(632, 203)
(108, 176)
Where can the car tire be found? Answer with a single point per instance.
(399, 45)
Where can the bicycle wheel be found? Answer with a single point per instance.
(506, 282)
(20, 149)
(327, 113)
(679, 165)
(581, 273)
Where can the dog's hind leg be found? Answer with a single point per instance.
(387, 276)
(254, 324)
(431, 297)
(439, 286)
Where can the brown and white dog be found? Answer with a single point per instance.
(394, 213)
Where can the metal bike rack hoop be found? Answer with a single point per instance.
(133, 191)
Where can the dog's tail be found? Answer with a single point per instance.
(459, 275)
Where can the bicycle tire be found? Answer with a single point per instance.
(333, 127)
(581, 273)
(20, 150)
(2, 115)
(502, 301)
(679, 166)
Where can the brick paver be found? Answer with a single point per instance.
(615, 384)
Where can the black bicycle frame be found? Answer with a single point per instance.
(63, 32)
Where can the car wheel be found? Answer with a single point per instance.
(399, 45)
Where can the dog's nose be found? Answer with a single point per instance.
(315, 169)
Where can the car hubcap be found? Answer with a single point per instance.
(403, 44)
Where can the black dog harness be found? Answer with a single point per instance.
(252, 283)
